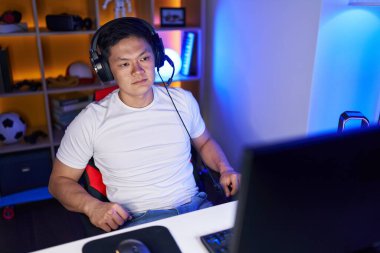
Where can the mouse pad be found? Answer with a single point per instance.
(156, 238)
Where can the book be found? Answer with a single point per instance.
(71, 107)
(6, 78)
(71, 98)
(65, 117)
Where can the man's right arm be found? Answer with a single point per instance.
(64, 186)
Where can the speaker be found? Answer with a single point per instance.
(64, 22)
(100, 63)
(24, 171)
(6, 79)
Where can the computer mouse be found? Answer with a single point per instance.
(132, 246)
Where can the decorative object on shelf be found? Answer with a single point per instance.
(6, 78)
(167, 70)
(67, 22)
(119, 9)
(11, 17)
(10, 22)
(12, 128)
(82, 71)
(62, 81)
(173, 17)
(187, 52)
(65, 107)
(87, 24)
(27, 85)
(33, 137)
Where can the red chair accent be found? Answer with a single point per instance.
(100, 94)
(94, 181)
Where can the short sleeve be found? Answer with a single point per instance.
(76, 146)
(197, 123)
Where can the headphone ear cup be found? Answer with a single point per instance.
(106, 74)
(159, 51)
(101, 67)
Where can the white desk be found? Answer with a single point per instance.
(186, 229)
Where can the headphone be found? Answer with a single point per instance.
(100, 63)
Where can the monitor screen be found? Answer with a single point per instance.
(318, 194)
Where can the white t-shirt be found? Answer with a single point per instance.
(142, 153)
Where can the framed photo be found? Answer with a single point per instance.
(173, 17)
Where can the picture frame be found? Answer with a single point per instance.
(173, 17)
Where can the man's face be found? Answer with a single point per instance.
(132, 64)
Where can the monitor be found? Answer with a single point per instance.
(316, 194)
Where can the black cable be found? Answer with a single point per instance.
(205, 169)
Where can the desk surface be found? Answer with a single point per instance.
(186, 229)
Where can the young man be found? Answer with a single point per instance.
(136, 138)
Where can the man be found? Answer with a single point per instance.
(136, 137)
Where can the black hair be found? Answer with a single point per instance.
(115, 30)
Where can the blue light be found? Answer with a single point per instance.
(347, 68)
(187, 52)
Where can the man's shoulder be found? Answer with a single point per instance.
(174, 91)
(96, 110)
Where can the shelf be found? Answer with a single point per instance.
(22, 146)
(21, 93)
(46, 32)
(183, 29)
(41, 193)
(30, 32)
(82, 87)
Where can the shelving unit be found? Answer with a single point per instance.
(39, 54)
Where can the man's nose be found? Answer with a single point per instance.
(137, 68)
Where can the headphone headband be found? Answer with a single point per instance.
(100, 63)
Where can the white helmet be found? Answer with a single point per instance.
(82, 71)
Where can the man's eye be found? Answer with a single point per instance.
(124, 64)
(146, 58)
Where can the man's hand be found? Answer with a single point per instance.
(230, 181)
(108, 216)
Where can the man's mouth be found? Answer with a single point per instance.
(140, 81)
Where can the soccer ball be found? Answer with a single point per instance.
(12, 128)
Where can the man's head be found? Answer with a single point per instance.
(112, 33)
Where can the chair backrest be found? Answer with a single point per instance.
(100, 94)
(352, 115)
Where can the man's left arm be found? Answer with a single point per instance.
(214, 157)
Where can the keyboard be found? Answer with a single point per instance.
(217, 242)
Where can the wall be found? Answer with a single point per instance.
(259, 66)
(346, 75)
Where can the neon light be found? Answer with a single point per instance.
(187, 52)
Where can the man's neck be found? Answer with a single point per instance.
(137, 101)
